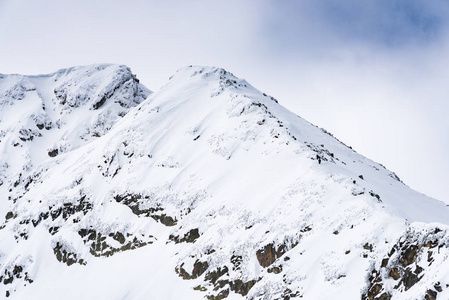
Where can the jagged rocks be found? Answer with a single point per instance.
(242, 287)
(189, 237)
(101, 244)
(66, 210)
(288, 294)
(275, 269)
(165, 220)
(269, 253)
(28, 134)
(53, 152)
(409, 278)
(13, 273)
(199, 268)
(218, 278)
(65, 256)
(408, 255)
(9, 215)
(430, 295)
(406, 264)
(394, 273)
(236, 261)
(133, 201)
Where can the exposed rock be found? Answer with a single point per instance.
(384, 296)
(65, 256)
(241, 287)
(268, 254)
(213, 276)
(13, 273)
(374, 291)
(53, 152)
(236, 260)
(133, 201)
(287, 294)
(275, 269)
(409, 278)
(189, 237)
(408, 255)
(164, 219)
(401, 264)
(394, 273)
(368, 246)
(9, 215)
(430, 295)
(99, 245)
(199, 268)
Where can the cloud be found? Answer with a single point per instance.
(373, 73)
(311, 25)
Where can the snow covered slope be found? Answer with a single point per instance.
(207, 189)
(46, 115)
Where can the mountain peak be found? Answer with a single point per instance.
(208, 188)
(220, 76)
(46, 115)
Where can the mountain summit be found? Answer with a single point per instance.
(207, 188)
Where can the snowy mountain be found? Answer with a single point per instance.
(207, 189)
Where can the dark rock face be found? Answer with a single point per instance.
(241, 287)
(275, 269)
(268, 254)
(409, 278)
(430, 295)
(53, 153)
(66, 210)
(213, 276)
(229, 277)
(9, 215)
(288, 294)
(271, 252)
(374, 290)
(408, 255)
(199, 268)
(65, 256)
(12, 274)
(189, 237)
(402, 266)
(219, 278)
(236, 261)
(100, 244)
(385, 296)
(394, 273)
(133, 201)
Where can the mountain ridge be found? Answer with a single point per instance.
(225, 184)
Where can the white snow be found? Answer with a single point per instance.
(213, 153)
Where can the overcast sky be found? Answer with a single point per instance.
(375, 73)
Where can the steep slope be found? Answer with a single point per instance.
(210, 188)
(46, 115)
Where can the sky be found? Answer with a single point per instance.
(374, 73)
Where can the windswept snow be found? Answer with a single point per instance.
(209, 187)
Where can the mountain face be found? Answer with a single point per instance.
(207, 189)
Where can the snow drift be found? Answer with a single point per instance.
(207, 189)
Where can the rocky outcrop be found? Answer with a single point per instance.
(65, 256)
(271, 252)
(407, 264)
(101, 244)
(190, 237)
(134, 202)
